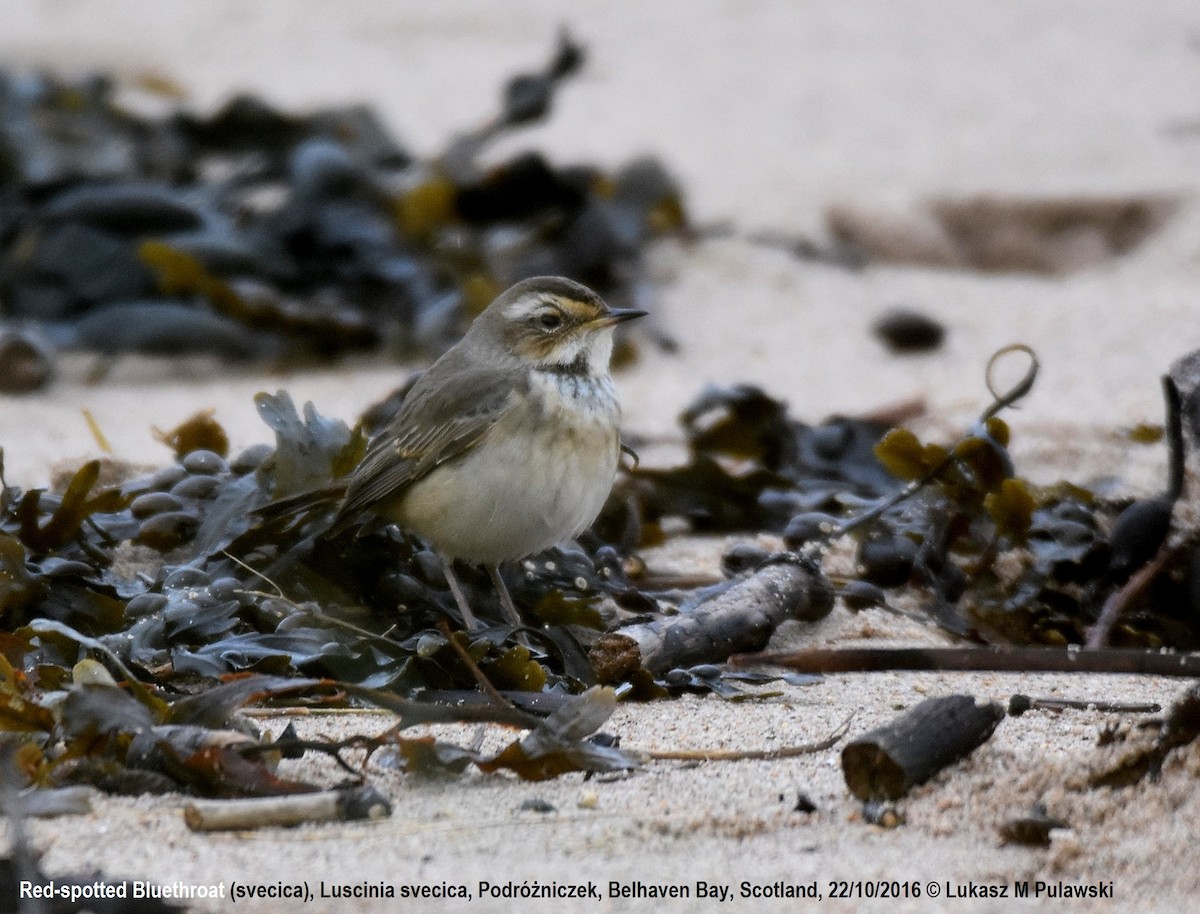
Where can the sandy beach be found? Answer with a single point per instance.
(769, 113)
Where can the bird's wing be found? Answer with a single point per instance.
(436, 423)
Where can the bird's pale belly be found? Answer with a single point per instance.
(539, 477)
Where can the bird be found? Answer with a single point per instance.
(507, 445)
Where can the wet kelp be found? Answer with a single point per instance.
(992, 557)
(188, 579)
(256, 233)
(168, 578)
(178, 579)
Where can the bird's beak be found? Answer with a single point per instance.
(616, 316)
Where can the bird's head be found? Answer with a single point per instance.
(554, 324)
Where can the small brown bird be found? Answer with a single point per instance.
(509, 443)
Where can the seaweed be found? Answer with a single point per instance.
(142, 611)
(322, 234)
(751, 468)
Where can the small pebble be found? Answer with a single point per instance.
(887, 560)
(1032, 829)
(1019, 704)
(906, 330)
(204, 463)
(167, 477)
(882, 813)
(196, 487)
(168, 531)
(24, 365)
(804, 803)
(251, 459)
(154, 503)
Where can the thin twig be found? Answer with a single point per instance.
(316, 612)
(312, 712)
(739, 755)
(485, 684)
(254, 571)
(1120, 598)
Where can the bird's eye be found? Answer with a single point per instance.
(550, 320)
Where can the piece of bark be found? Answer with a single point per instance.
(885, 763)
(979, 659)
(294, 809)
(739, 618)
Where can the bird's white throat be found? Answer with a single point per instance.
(585, 354)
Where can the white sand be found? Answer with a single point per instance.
(769, 112)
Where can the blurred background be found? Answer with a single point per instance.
(1013, 173)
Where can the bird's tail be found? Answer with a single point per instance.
(297, 507)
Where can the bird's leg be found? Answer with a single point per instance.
(506, 599)
(464, 608)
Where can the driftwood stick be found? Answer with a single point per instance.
(294, 809)
(885, 763)
(1018, 704)
(741, 617)
(741, 755)
(979, 659)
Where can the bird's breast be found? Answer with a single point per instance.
(539, 476)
